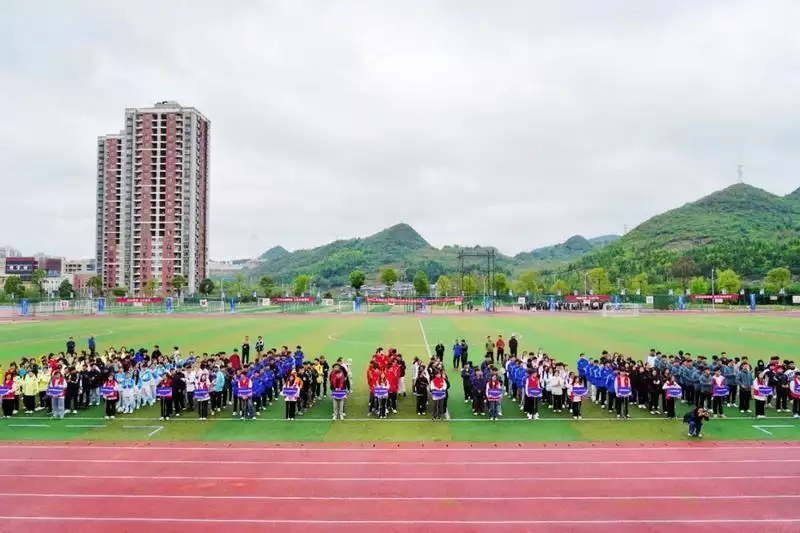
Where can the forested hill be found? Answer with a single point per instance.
(740, 227)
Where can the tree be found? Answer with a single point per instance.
(639, 282)
(119, 292)
(560, 286)
(301, 284)
(421, 284)
(266, 283)
(356, 279)
(597, 279)
(206, 287)
(14, 286)
(529, 282)
(65, 290)
(500, 284)
(37, 279)
(729, 280)
(178, 283)
(684, 268)
(95, 285)
(698, 285)
(470, 286)
(388, 277)
(443, 286)
(777, 279)
(150, 286)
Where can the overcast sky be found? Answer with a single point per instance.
(516, 124)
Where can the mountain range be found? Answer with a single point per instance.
(738, 217)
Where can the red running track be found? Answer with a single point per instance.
(200, 487)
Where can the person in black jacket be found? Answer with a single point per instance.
(178, 391)
(512, 346)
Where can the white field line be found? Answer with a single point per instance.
(155, 429)
(368, 448)
(762, 428)
(424, 337)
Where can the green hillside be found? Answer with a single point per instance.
(737, 212)
(740, 227)
(573, 248)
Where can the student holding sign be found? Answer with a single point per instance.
(494, 395)
(576, 392)
(110, 391)
(381, 392)
(7, 393)
(744, 380)
(533, 391)
(761, 392)
(202, 396)
(245, 393)
(672, 392)
(794, 390)
(623, 391)
(719, 389)
(338, 391)
(57, 391)
(164, 394)
(290, 393)
(438, 395)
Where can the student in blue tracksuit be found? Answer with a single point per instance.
(583, 365)
(298, 357)
(268, 377)
(456, 354)
(610, 387)
(605, 374)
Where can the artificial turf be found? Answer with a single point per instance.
(356, 336)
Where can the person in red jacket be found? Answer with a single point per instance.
(10, 396)
(622, 388)
(112, 396)
(202, 397)
(393, 378)
(338, 388)
(794, 390)
(373, 374)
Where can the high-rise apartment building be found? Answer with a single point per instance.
(152, 199)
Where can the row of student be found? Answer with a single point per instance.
(714, 384)
(137, 376)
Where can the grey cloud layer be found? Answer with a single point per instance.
(509, 123)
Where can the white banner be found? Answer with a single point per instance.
(63, 305)
(521, 300)
(648, 300)
(203, 303)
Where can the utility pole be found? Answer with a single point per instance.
(740, 171)
(712, 290)
(585, 284)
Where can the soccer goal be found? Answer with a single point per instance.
(621, 309)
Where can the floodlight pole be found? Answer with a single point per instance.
(712, 290)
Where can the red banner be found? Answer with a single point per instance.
(404, 301)
(587, 298)
(714, 296)
(154, 300)
(292, 299)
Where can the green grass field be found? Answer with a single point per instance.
(352, 336)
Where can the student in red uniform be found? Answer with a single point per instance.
(531, 402)
(57, 402)
(383, 401)
(10, 397)
(112, 397)
(373, 374)
(669, 401)
(438, 385)
(500, 345)
(393, 378)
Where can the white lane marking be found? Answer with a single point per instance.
(399, 522)
(29, 425)
(393, 498)
(397, 463)
(318, 479)
(424, 337)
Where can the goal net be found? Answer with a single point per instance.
(621, 309)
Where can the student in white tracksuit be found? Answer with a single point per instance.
(128, 394)
(146, 392)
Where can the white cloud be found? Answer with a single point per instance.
(516, 124)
